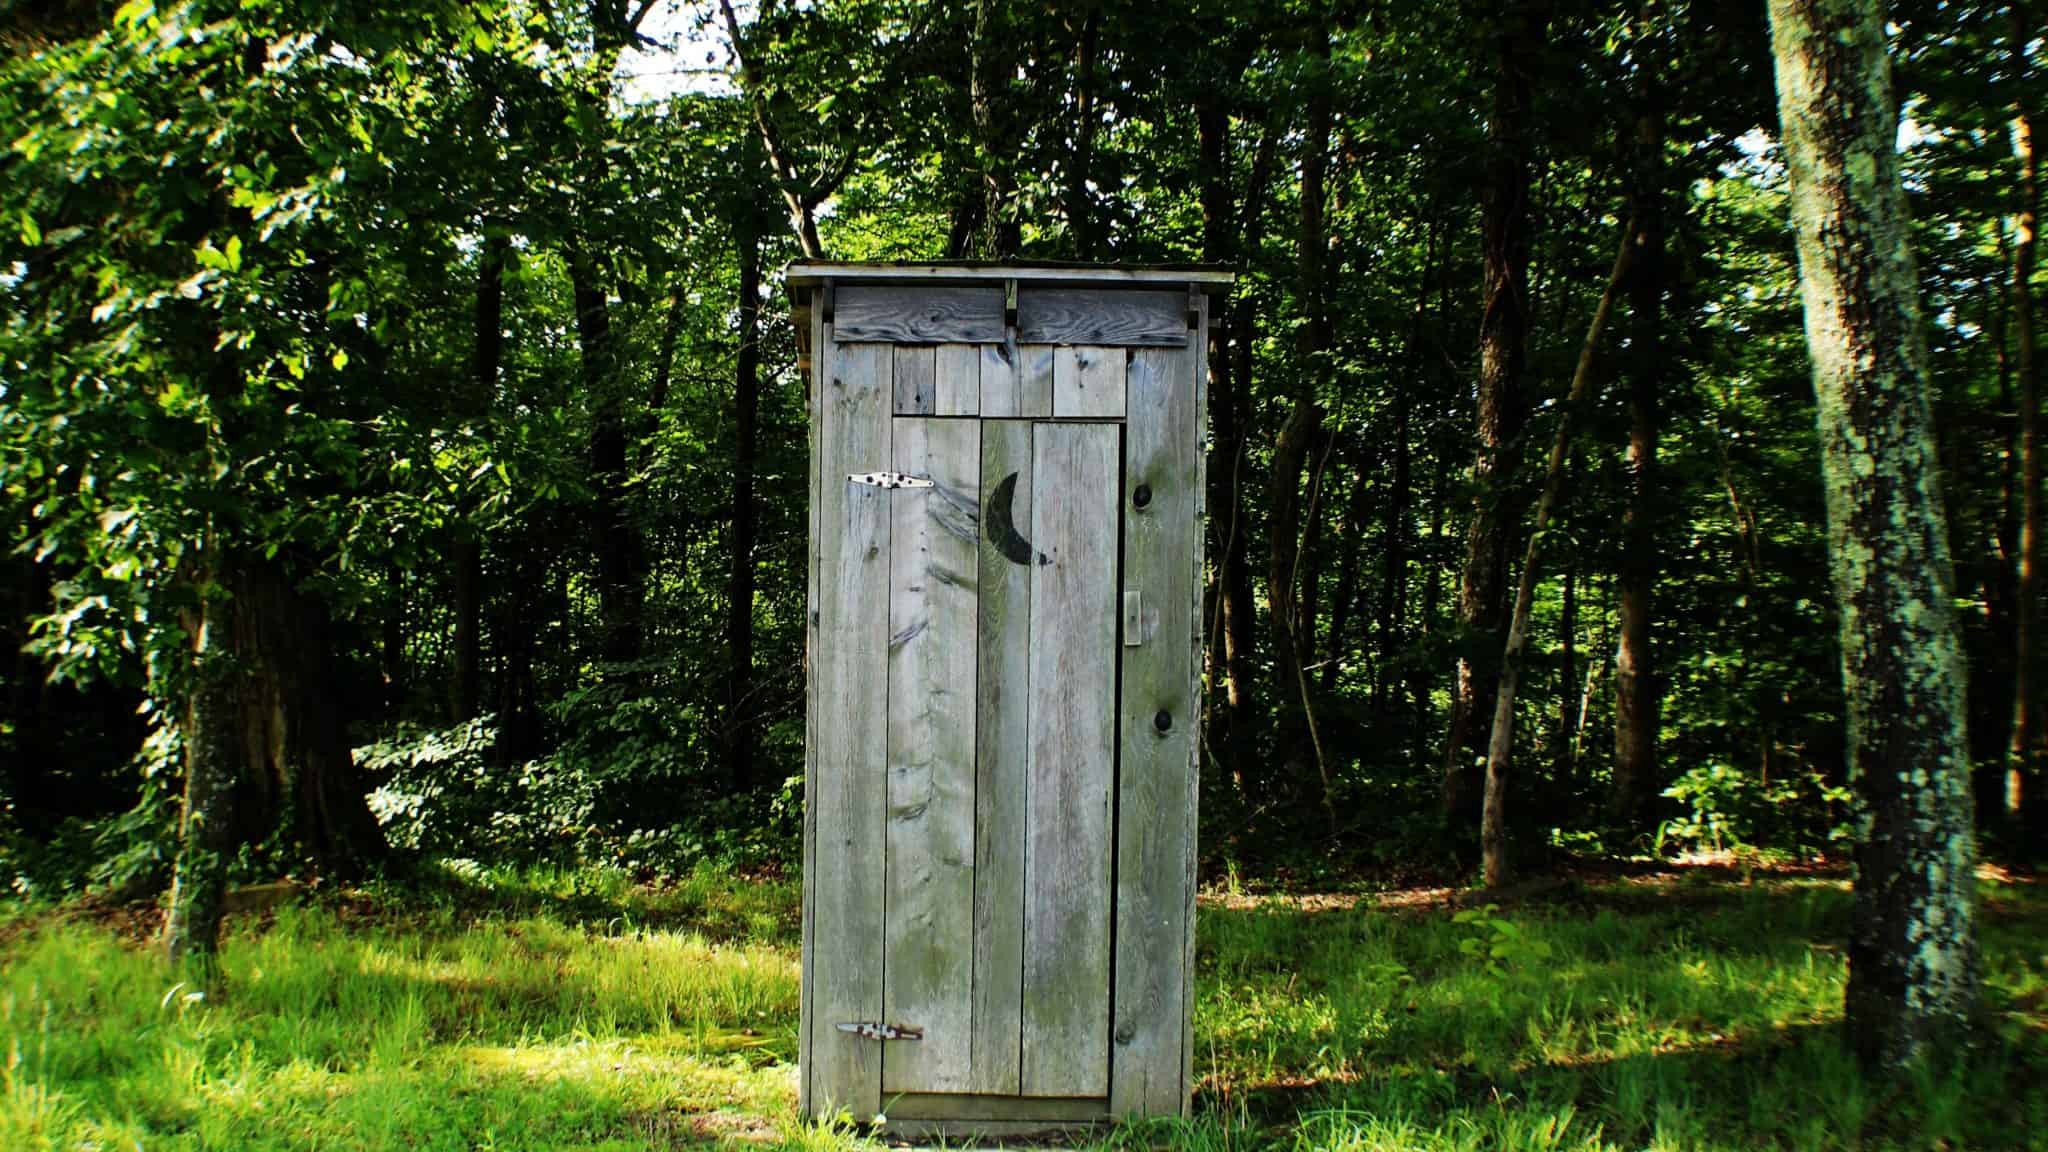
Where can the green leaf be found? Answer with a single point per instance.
(31, 234)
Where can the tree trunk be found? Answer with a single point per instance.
(1298, 436)
(617, 543)
(1350, 566)
(1503, 339)
(1912, 955)
(739, 620)
(1493, 828)
(208, 828)
(1230, 364)
(671, 333)
(1566, 767)
(1308, 581)
(1636, 704)
(989, 70)
(466, 685)
(487, 354)
(1992, 728)
(1080, 217)
(2029, 747)
(335, 825)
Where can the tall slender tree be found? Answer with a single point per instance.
(1912, 947)
(1299, 433)
(739, 606)
(1636, 705)
(2029, 724)
(1518, 31)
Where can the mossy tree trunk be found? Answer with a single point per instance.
(212, 745)
(1911, 952)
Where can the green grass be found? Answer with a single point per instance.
(573, 1011)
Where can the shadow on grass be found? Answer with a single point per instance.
(717, 905)
(1795, 1088)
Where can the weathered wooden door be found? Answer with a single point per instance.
(1003, 637)
(1001, 750)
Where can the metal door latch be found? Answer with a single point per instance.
(869, 1030)
(889, 480)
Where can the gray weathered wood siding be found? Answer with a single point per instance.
(928, 972)
(1002, 748)
(846, 802)
(1158, 716)
(1072, 756)
(1002, 698)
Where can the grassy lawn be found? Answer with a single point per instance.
(573, 1011)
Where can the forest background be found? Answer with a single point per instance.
(432, 361)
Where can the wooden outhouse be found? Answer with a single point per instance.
(1004, 630)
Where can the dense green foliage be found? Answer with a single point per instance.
(417, 334)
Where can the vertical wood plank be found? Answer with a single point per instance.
(1155, 837)
(1002, 743)
(849, 801)
(1088, 383)
(1198, 346)
(959, 380)
(916, 381)
(999, 381)
(1075, 481)
(928, 974)
(1035, 366)
(820, 364)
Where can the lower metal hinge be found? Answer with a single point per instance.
(868, 1029)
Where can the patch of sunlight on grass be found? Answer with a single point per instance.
(648, 1072)
(552, 1011)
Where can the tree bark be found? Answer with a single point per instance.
(1493, 828)
(1636, 703)
(2029, 746)
(1912, 954)
(208, 828)
(1503, 340)
(739, 589)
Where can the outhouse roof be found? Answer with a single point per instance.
(807, 273)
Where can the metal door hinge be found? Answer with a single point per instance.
(889, 480)
(869, 1030)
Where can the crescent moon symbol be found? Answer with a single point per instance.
(1002, 527)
